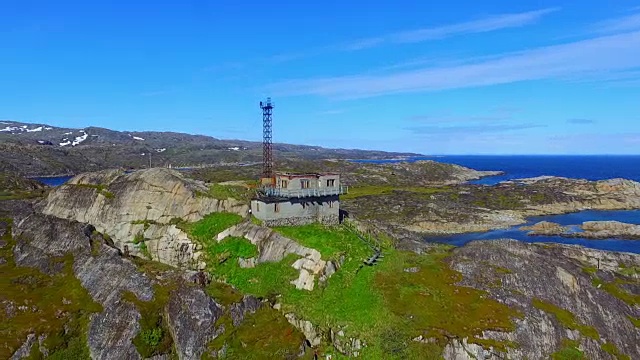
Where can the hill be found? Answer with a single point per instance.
(40, 149)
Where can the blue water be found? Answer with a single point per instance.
(631, 217)
(53, 180)
(596, 167)
(578, 167)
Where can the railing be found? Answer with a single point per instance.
(300, 193)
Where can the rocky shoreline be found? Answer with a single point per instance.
(468, 208)
(588, 230)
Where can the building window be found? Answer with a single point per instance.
(331, 182)
(331, 204)
(304, 184)
(285, 183)
(277, 207)
(257, 206)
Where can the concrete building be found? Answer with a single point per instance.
(299, 199)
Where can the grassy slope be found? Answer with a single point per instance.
(383, 305)
(54, 303)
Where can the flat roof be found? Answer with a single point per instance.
(306, 174)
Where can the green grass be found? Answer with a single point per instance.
(154, 337)
(139, 241)
(420, 300)
(569, 351)
(266, 279)
(612, 349)
(356, 192)
(211, 225)
(139, 238)
(224, 192)
(263, 335)
(102, 189)
(62, 306)
(629, 271)
(256, 221)
(330, 242)
(634, 321)
(615, 290)
(566, 318)
(223, 293)
(144, 250)
(146, 223)
(498, 201)
(20, 195)
(383, 304)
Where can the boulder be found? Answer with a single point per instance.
(145, 202)
(191, 317)
(545, 228)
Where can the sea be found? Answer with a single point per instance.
(600, 167)
(590, 167)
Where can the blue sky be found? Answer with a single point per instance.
(434, 77)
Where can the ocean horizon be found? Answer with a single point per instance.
(589, 167)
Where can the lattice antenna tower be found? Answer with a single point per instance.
(267, 138)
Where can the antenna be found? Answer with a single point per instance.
(267, 138)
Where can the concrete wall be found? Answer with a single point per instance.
(314, 182)
(298, 211)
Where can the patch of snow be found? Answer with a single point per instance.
(138, 138)
(234, 148)
(142, 154)
(65, 143)
(48, 128)
(161, 150)
(39, 128)
(9, 128)
(80, 139)
(40, 141)
(24, 126)
(68, 133)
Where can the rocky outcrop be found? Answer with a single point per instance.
(25, 349)
(552, 274)
(312, 333)
(111, 332)
(248, 305)
(588, 230)
(105, 276)
(610, 229)
(145, 203)
(545, 228)
(273, 247)
(192, 316)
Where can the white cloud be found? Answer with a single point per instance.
(491, 23)
(627, 23)
(486, 24)
(604, 54)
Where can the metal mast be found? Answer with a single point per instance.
(267, 138)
